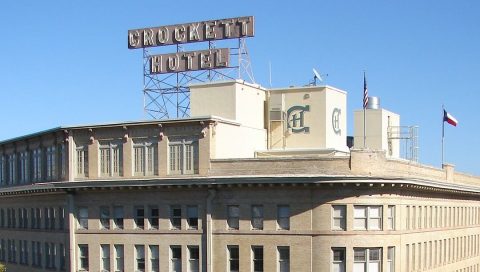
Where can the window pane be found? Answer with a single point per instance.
(360, 211)
(374, 211)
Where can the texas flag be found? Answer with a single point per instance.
(447, 117)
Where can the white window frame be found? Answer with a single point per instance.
(81, 161)
(391, 259)
(192, 216)
(367, 262)
(140, 258)
(339, 214)
(82, 255)
(144, 154)
(193, 261)
(154, 258)
(338, 265)
(139, 219)
(183, 156)
(367, 217)
(282, 261)
(391, 217)
(110, 159)
(105, 257)
(174, 218)
(119, 265)
(175, 262)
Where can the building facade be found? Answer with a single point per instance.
(231, 191)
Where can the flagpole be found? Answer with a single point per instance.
(365, 101)
(443, 132)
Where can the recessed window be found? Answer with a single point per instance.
(183, 156)
(153, 217)
(257, 258)
(367, 260)
(391, 217)
(192, 217)
(257, 217)
(338, 217)
(82, 257)
(193, 258)
(233, 216)
(175, 259)
(119, 262)
(104, 217)
(81, 161)
(140, 258)
(283, 217)
(140, 217)
(175, 217)
(111, 159)
(118, 217)
(82, 218)
(233, 259)
(391, 259)
(105, 258)
(154, 258)
(145, 158)
(283, 258)
(367, 217)
(338, 259)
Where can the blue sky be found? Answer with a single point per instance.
(67, 62)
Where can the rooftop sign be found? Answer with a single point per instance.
(191, 32)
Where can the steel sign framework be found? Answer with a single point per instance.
(167, 76)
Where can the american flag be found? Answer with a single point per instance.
(365, 92)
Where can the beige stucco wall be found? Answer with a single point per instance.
(238, 141)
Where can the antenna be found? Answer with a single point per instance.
(316, 75)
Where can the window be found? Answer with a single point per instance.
(233, 259)
(24, 167)
(145, 154)
(391, 259)
(193, 259)
(105, 217)
(118, 217)
(257, 258)
(2, 170)
(153, 217)
(154, 259)
(283, 259)
(192, 217)
(367, 217)
(118, 258)
(61, 218)
(111, 160)
(2, 250)
(51, 163)
(83, 218)
(63, 256)
(283, 217)
(233, 216)
(83, 257)
(183, 156)
(12, 169)
(175, 217)
(257, 217)
(105, 258)
(338, 261)
(367, 259)
(140, 258)
(175, 259)
(62, 160)
(338, 217)
(37, 164)
(140, 217)
(81, 161)
(391, 217)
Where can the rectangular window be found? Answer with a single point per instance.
(183, 156)
(83, 218)
(367, 217)
(257, 217)
(81, 157)
(2, 170)
(175, 217)
(118, 258)
(37, 164)
(192, 217)
(145, 154)
(118, 217)
(140, 258)
(51, 163)
(105, 258)
(111, 159)
(338, 217)
(193, 259)
(12, 169)
(83, 257)
(257, 258)
(153, 217)
(338, 259)
(391, 259)
(367, 259)
(391, 217)
(154, 259)
(283, 258)
(233, 216)
(105, 217)
(63, 256)
(140, 217)
(175, 259)
(24, 167)
(283, 217)
(233, 259)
